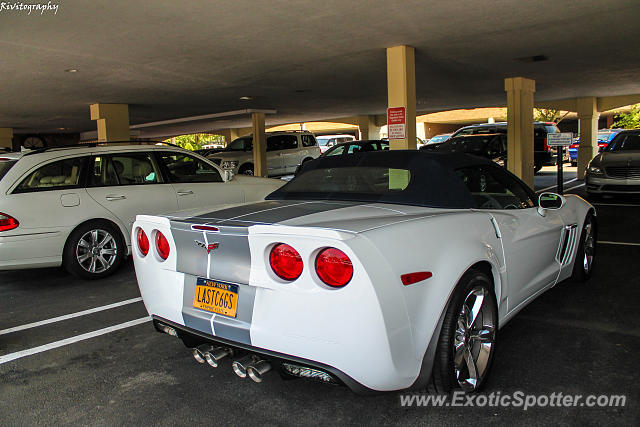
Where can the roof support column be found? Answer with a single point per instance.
(259, 145)
(112, 121)
(6, 138)
(520, 127)
(401, 89)
(229, 135)
(368, 127)
(588, 116)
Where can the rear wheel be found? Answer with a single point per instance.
(94, 250)
(467, 341)
(246, 169)
(586, 254)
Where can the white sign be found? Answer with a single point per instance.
(396, 123)
(559, 139)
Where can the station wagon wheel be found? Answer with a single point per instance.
(94, 250)
(468, 337)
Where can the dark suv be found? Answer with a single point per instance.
(543, 155)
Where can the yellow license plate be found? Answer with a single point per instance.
(216, 297)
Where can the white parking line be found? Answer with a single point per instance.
(555, 185)
(69, 316)
(29, 352)
(575, 186)
(606, 242)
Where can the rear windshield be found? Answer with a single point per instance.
(625, 142)
(5, 165)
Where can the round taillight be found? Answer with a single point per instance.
(143, 242)
(285, 262)
(162, 245)
(334, 267)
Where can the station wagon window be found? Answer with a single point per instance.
(123, 169)
(183, 168)
(5, 165)
(308, 140)
(54, 176)
(492, 189)
(282, 142)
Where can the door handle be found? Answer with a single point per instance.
(111, 198)
(184, 193)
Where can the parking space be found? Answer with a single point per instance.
(108, 365)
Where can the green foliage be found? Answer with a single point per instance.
(628, 120)
(195, 141)
(548, 115)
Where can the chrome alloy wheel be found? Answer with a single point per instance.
(474, 338)
(97, 251)
(589, 247)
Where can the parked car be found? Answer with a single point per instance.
(380, 270)
(327, 141)
(543, 154)
(604, 137)
(616, 169)
(75, 206)
(357, 147)
(438, 138)
(492, 146)
(204, 152)
(285, 152)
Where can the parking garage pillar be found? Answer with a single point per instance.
(368, 127)
(588, 116)
(6, 138)
(112, 121)
(520, 127)
(401, 88)
(229, 135)
(259, 145)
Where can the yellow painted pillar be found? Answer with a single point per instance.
(401, 89)
(112, 121)
(229, 135)
(588, 116)
(259, 145)
(368, 127)
(520, 127)
(6, 138)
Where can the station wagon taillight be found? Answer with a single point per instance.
(162, 246)
(143, 242)
(334, 267)
(285, 261)
(8, 222)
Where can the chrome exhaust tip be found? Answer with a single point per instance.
(199, 353)
(257, 370)
(214, 356)
(169, 330)
(240, 366)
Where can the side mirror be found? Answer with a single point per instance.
(227, 175)
(549, 201)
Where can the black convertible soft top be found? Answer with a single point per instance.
(432, 179)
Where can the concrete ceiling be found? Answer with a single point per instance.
(307, 59)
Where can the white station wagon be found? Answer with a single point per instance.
(75, 206)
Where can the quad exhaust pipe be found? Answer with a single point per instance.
(210, 354)
(251, 366)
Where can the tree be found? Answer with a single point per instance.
(195, 141)
(628, 120)
(549, 115)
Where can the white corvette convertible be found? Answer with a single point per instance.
(381, 271)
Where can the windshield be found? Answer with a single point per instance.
(240, 144)
(625, 142)
(605, 136)
(5, 165)
(323, 141)
(438, 138)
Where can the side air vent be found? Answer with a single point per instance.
(567, 244)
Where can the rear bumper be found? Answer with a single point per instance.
(193, 338)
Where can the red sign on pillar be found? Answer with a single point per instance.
(397, 122)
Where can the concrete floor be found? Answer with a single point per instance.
(576, 339)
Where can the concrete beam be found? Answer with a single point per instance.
(259, 145)
(588, 116)
(6, 138)
(112, 121)
(520, 127)
(401, 90)
(610, 102)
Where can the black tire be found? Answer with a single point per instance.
(536, 168)
(246, 169)
(444, 377)
(586, 253)
(574, 163)
(90, 254)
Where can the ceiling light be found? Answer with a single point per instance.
(245, 98)
(71, 70)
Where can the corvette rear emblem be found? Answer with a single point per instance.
(209, 247)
